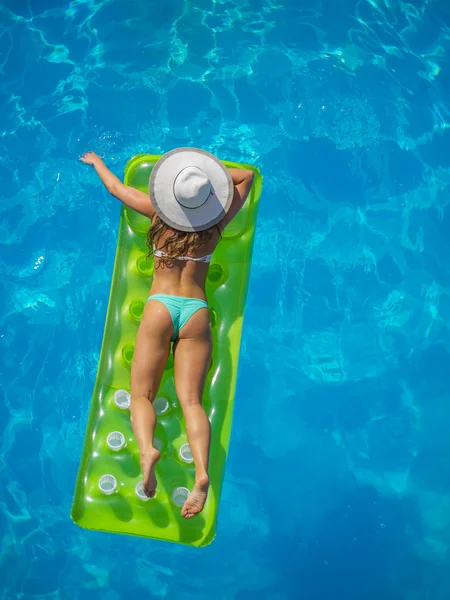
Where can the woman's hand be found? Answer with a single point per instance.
(90, 158)
(131, 197)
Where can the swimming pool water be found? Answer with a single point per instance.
(337, 483)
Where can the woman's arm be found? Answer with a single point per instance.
(240, 175)
(242, 180)
(131, 197)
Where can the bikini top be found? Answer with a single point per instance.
(204, 259)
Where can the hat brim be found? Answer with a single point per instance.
(161, 190)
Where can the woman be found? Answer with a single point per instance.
(193, 197)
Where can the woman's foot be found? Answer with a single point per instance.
(197, 498)
(148, 464)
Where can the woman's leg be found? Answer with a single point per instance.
(150, 357)
(192, 356)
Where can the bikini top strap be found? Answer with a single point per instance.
(207, 258)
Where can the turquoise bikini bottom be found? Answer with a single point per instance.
(180, 309)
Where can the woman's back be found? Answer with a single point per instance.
(183, 277)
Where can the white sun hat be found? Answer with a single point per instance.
(190, 189)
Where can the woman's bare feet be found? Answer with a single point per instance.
(197, 498)
(148, 464)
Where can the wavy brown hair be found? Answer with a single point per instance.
(179, 243)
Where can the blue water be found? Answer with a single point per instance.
(338, 480)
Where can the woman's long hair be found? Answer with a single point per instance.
(179, 243)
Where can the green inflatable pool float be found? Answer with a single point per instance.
(108, 492)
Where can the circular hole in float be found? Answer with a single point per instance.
(212, 316)
(161, 405)
(145, 266)
(180, 495)
(186, 454)
(139, 489)
(127, 354)
(122, 399)
(107, 484)
(215, 273)
(115, 441)
(157, 443)
(137, 309)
